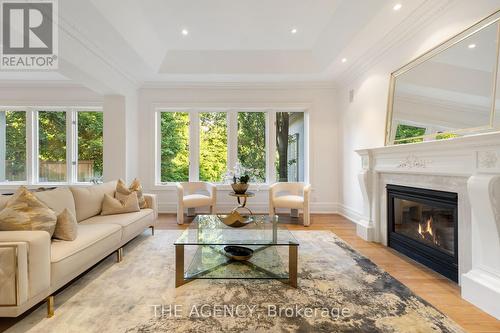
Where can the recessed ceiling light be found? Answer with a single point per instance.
(472, 46)
(293, 31)
(397, 6)
(344, 60)
(185, 32)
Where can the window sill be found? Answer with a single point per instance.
(220, 187)
(15, 185)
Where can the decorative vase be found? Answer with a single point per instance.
(239, 188)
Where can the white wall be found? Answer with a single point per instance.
(50, 95)
(363, 120)
(323, 138)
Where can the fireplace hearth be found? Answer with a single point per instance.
(423, 225)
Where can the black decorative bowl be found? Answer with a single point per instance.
(239, 253)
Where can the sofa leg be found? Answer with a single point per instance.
(50, 306)
(152, 227)
(294, 213)
(119, 254)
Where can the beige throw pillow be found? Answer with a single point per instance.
(111, 206)
(66, 227)
(123, 192)
(25, 212)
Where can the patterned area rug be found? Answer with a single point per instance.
(339, 291)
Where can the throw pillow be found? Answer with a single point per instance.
(25, 212)
(66, 226)
(122, 192)
(111, 206)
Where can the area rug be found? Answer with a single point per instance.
(339, 291)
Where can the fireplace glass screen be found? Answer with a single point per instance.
(433, 226)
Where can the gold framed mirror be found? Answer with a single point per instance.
(449, 91)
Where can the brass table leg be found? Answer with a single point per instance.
(292, 265)
(179, 265)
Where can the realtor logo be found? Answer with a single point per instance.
(29, 35)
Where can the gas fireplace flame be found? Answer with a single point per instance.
(427, 232)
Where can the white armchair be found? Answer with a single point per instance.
(290, 195)
(191, 195)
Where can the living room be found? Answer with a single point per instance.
(189, 166)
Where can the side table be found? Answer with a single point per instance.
(242, 200)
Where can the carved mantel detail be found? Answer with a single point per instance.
(411, 161)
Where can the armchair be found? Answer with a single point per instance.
(290, 195)
(192, 195)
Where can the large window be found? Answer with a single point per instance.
(213, 146)
(90, 145)
(289, 146)
(252, 143)
(12, 146)
(174, 146)
(45, 145)
(52, 146)
(204, 144)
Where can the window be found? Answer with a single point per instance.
(290, 146)
(213, 146)
(252, 143)
(51, 145)
(12, 146)
(203, 144)
(174, 146)
(90, 146)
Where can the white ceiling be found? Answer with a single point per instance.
(228, 40)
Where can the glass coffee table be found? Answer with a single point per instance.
(205, 244)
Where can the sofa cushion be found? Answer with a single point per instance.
(128, 204)
(88, 200)
(94, 242)
(197, 200)
(25, 212)
(289, 201)
(132, 223)
(122, 192)
(58, 200)
(66, 226)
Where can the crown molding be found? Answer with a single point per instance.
(77, 35)
(405, 30)
(328, 85)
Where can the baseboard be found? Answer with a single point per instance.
(349, 213)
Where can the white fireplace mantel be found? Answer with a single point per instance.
(469, 166)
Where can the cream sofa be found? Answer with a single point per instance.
(33, 267)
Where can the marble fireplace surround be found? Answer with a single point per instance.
(469, 166)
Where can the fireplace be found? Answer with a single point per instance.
(423, 225)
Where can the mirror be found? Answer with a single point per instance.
(450, 90)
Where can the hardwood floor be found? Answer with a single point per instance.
(437, 290)
(434, 288)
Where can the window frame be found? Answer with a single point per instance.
(32, 142)
(232, 140)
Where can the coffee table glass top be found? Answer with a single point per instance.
(210, 230)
